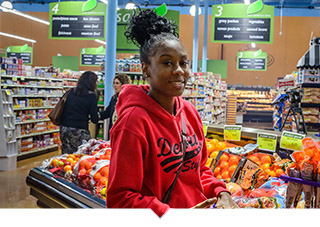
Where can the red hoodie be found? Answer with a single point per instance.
(146, 152)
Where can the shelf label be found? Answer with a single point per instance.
(21, 52)
(205, 127)
(267, 142)
(92, 56)
(232, 132)
(77, 20)
(252, 61)
(291, 141)
(241, 23)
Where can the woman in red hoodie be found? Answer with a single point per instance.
(147, 147)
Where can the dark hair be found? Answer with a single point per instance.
(149, 31)
(123, 78)
(87, 82)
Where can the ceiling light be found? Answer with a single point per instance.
(253, 45)
(5, 9)
(193, 10)
(18, 37)
(104, 1)
(100, 41)
(130, 5)
(7, 4)
(247, 2)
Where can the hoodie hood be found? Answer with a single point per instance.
(133, 96)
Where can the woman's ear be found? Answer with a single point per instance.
(145, 70)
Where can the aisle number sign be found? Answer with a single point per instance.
(241, 23)
(291, 141)
(77, 20)
(21, 52)
(232, 132)
(92, 56)
(267, 142)
(252, 61)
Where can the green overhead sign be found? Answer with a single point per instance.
(252, 61)
(241, 23)
(92, 56)
(21, 52)
(77, 20)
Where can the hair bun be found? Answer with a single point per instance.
(146, 24)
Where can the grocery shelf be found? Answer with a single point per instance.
(311, 85)
(311, 105)
(32, 77)
(71, 79)
(32, 121)
(37, 134)
(33, 108)
(30, 86)
(36, 96)
(37, 150)
(127, 72)
(58, 192)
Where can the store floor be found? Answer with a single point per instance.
(14, 190)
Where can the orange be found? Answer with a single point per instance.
(67, 168)
(214, 154)
(216, 171)
(60, 164)
(82, 164)
(221, 146)
(70, 160)
(71, 156)
(266, 159)
(265, 166)
(224, 157)
(232, 169)
(272, 173)
(234, 160)
(88, 165)
(54, 162)
(279, 172)
(253, 158)
(224, 165)
(225, 174)
(103, 180)
(210, 148)
(104, 171)
(82, 171)
(97, 176)
(219, 177)
(214, 142)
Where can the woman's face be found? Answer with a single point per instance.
(117, 85)
(168, 70)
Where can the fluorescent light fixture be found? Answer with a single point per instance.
(253, 45)
(193, 10)
(104, 1)
(7, 4)
(130, 5)
(100, 41)
(18, 37)
(247, 2)
(7, 10)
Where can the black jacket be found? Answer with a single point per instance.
(108, 112)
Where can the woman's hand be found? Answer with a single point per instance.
(205, 203)
(225, 201)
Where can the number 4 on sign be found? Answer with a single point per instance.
(55, 9)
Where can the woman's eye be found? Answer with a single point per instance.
(167, 63)
(185, 63)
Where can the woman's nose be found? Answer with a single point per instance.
(178, 70)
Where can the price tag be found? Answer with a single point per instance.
(267, 142)
(205, 127)
(14, 79)
(232, 132)
(291, 141)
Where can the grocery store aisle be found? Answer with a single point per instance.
(14, 190)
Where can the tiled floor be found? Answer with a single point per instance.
(14, 191)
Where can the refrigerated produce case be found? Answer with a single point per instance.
(53, 191)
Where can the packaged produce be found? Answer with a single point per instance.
(294, 189)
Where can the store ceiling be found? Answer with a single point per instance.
(121, 3)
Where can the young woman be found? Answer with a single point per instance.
(81, 106)
(109, 112)
(146, 142)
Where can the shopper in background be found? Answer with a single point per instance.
(81, 106)
(146, 142)
(109, 112)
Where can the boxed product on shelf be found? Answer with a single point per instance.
(309, 76)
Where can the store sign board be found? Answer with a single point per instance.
(252, 61)
(21, 52)
(232, 132)
(77, 20)
(241, 23)
(92, 56)
(291, 141)
(285, 84)
(267, 142)
(123, 18)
